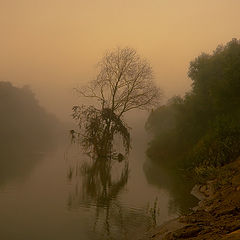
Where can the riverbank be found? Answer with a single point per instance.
(216, 217)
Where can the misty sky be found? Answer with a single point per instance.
(54, 45)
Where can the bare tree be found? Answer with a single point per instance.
(124, 82)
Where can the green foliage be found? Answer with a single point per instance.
(218, 147)
(204, 173)
(221, 175)
(202, 128)
(97, 129)
(216, 78)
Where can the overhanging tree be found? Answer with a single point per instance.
(124, 82)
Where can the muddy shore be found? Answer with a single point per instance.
(216, 217)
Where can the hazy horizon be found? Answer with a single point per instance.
(54, 45)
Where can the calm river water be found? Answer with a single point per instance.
(42, 197)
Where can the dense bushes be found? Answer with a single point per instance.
(202, 129)
(218, 147)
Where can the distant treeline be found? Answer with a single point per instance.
(201, 129)
(22, 118)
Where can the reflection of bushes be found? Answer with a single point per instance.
(98, 183)
(154, 212)
(175, 183)
(99, 190)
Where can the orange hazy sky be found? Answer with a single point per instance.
(54, 45)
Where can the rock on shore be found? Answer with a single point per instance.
(217, 216)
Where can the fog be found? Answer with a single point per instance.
(54, 45)
(53, 189)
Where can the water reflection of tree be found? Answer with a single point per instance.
(98, 182)
(101, 189)
(178, 186)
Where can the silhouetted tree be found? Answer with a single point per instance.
(124, 82)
